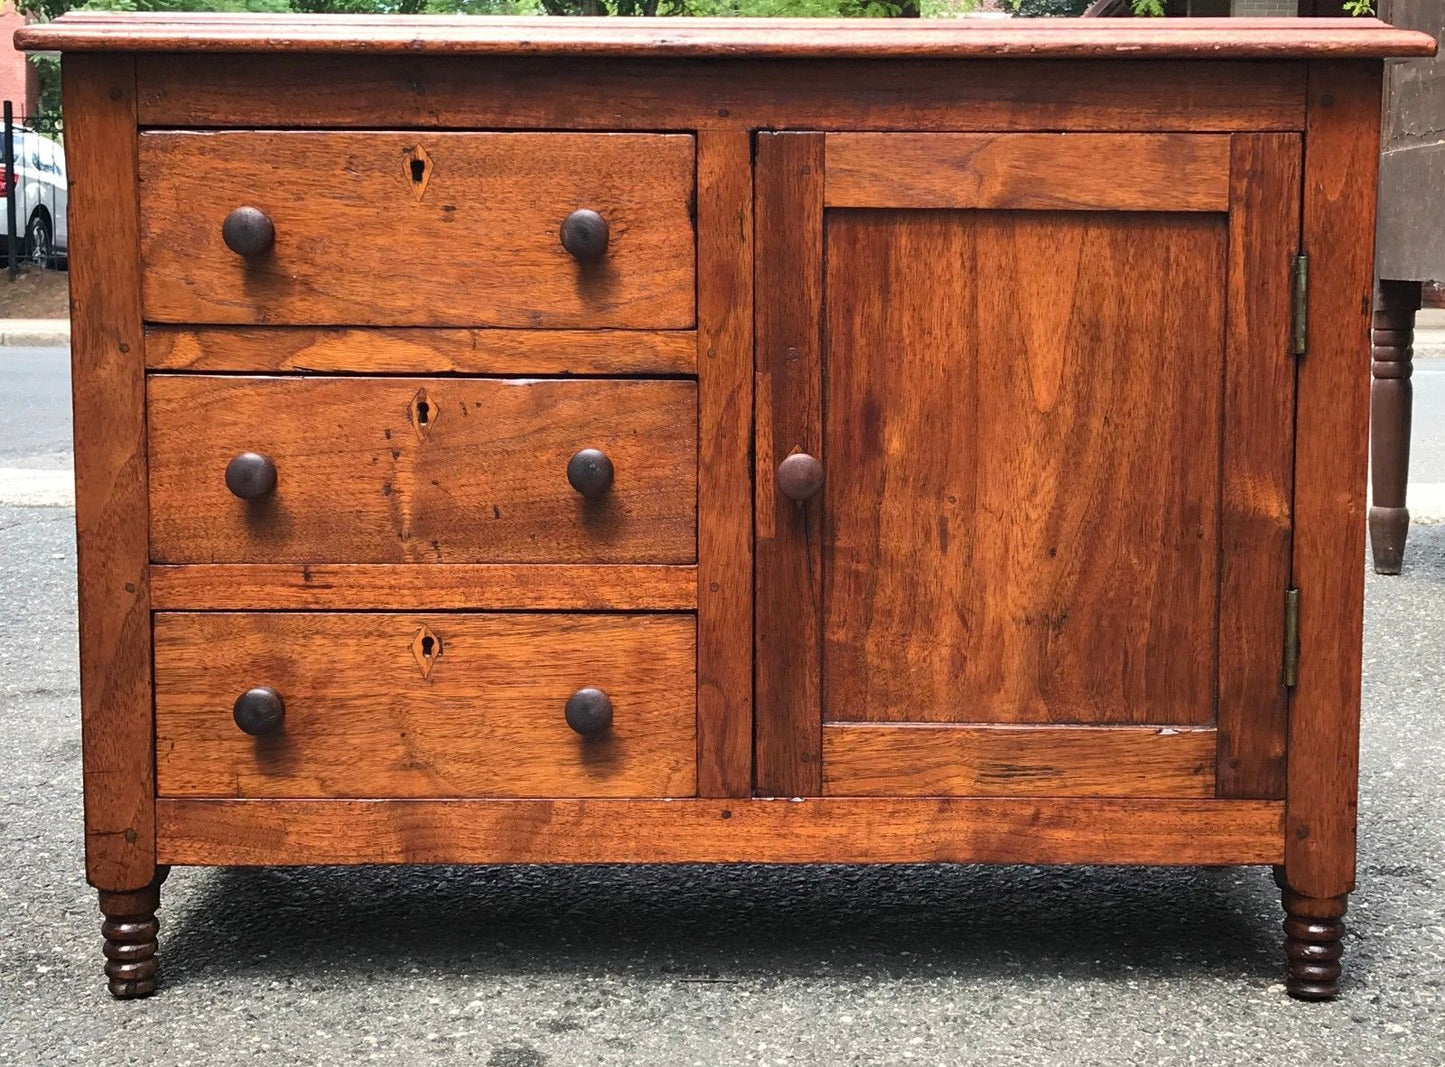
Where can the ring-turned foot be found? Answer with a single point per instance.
(130, 930)
(1314, 930)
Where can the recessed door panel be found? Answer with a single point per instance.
(1021, 517)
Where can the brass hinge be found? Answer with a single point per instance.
(1291, 638)
(1300, 323)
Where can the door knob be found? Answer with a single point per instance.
(800, 476)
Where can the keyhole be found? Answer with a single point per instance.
(419, 411)
(425, 648)
(418, 170)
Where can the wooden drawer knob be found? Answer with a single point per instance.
(584, 234)
(251, 476)
(800, 476)
(248, 232)
(590, 473)
(259, 711)
(589, 712)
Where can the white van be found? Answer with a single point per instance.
(41, 198)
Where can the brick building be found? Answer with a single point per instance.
(19, 81)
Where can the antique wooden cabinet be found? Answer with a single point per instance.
(672, 441)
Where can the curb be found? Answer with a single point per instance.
(37, 333)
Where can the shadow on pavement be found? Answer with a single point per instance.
(711, 922)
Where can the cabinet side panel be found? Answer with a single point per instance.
(1332, 418)
(724, 532)
(108, 387)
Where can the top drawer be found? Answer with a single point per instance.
(423, 229)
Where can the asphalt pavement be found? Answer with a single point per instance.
(712, 966)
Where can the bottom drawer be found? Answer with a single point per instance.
(411, 705)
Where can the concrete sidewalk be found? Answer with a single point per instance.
(1430, 333)
(34, 332)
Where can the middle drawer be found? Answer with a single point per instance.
(444, 470)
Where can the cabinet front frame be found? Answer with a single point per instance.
(128, 832)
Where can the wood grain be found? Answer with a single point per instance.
(363, 719)
(828, 830)
(1258, 461)
(1023, 467)
(339, 350)
(787, 738)
(871, 759)
(108, 394)
(724, 506)
(487, 482)
(704, 37)
(1028, 171)
(740, 94)
(1332, 417)
(436, 587)
(355, 246)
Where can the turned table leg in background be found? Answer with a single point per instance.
(130, 930)
(1391, 395)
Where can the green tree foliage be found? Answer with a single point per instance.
(808, 8)
(1036, 9)
(1069, 8)
(49, 9)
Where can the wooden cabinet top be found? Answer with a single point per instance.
(1225, 38)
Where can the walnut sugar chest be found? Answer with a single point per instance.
(607, 441)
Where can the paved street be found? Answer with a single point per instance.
(522, 967)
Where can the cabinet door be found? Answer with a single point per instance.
(1049, 385)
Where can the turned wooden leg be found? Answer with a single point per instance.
(1391, 398)
(1314, 929)
(130, 930)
